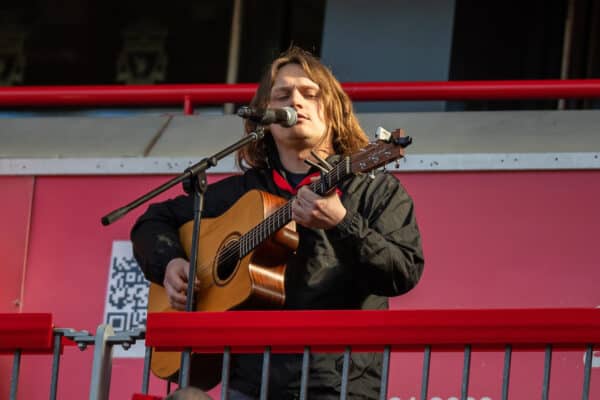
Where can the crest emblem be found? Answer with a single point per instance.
(143, 59)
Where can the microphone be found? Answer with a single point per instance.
(285, 116)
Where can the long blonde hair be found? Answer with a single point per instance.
(347, 135)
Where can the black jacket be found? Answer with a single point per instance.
(375, 252)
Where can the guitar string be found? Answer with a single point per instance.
(259, 233)
(248, 241)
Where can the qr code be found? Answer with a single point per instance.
(126, 294)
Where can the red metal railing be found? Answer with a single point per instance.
(148, 95)
(349, 331)
(291, 331)
(28, 333)
(339, 330)
(25, 334)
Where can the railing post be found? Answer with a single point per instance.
(14, 381)
(58, 334)
(225, 373)
(425, 374)
(589, 354)
(146, 373)
(102, 364)
(547, 368)
(464, 389)
(188, 107)
(506, 371)
(305, 373)
(264, 384)
(345, 373)
(385, 373)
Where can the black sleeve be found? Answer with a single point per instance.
(381, 239)
(155, 235)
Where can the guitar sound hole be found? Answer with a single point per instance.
(227, 260)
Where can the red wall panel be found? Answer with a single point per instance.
(491, 239)
(503, 240)
(507, 239)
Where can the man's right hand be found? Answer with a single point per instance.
(176, 280)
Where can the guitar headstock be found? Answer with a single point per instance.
(388, 147)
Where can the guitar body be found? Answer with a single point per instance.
(228, 282)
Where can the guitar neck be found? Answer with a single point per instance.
(274, 222)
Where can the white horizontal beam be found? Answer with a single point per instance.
(412, 163)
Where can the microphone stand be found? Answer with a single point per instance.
(194, 183)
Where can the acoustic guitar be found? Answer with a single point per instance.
(242, 253)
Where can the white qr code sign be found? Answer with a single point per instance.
(126, 297)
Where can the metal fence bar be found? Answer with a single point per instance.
(587, 369)
(385, 373)
(146, 373)
(425, 376)
(345, 373)
(55, 365)
(506, 371)
(102, 364)
(547, 366)
(264, 384)
(225, 373)
(305, 373)
(14, 380)
(464, 389)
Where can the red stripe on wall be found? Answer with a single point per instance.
(15, 210)
(17, 193)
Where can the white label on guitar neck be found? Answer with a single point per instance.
(383, 134)
(126, 297)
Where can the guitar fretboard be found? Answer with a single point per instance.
(283, 215)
